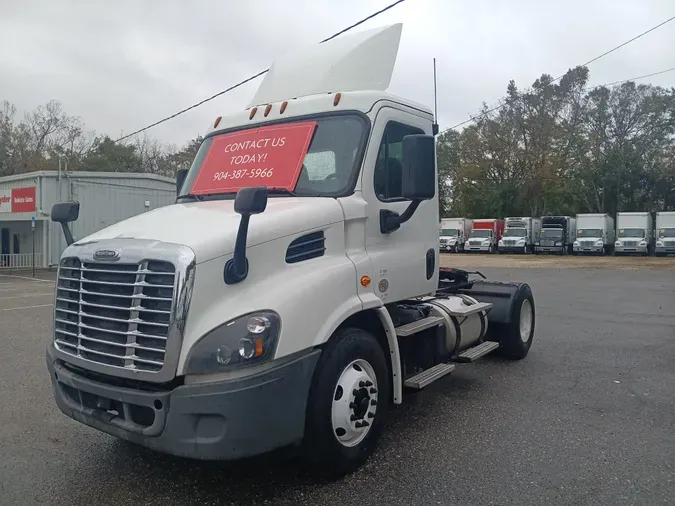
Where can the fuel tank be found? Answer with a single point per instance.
(465, 319)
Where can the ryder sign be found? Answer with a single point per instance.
(268, 156)
(17, 200)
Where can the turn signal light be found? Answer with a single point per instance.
(365, 280)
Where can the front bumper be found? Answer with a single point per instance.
(664, 250)
(549, 249)
(641, 250)
(513, 249)
(482, 248)
(448, 247)
(223, 420)
(589, 249)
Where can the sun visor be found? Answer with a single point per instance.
(359, 61)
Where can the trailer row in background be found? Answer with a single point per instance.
(593, 233)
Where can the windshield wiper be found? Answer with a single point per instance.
(190, 196)
(283, 191)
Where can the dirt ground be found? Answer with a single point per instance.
(475, 260)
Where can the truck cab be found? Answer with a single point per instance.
(520, 234)
(665, 233)
(293, 291)
(634, 234)
(557, 235)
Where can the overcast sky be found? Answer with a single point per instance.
(122, 64)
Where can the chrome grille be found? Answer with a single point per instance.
(115, 314)
(630, 243)
(475, 243)
(509, 242)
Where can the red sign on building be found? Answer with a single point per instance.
(23, 200)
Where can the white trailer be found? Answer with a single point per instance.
(594, 234)
(273, 305)
(520, 234)
(665, 233)
(634, 234)
(454, 233)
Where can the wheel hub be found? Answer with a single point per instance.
(354, 403)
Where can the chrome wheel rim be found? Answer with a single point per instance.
(525, 320)
(354, 403)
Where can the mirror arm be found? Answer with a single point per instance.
(67, 233)
(236, 268)
(391, 220)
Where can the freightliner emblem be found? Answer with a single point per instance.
(106, 254)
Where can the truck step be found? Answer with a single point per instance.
(473, 354)
(419, 381)
(418, 326)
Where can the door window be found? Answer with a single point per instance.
(389, 165)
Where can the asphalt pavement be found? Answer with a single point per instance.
(587, 418)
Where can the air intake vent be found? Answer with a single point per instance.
(306, 247)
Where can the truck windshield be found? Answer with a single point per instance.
(515, 232)
(631, 232)
(448, 232)
(329, 163)
(667, 232)
(480, 233)
(551, 233)
(589, 232)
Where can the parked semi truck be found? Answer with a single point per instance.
(520, 234)
(634, 234)
(557, 235)
(280, 302)
(453, 234)
(595, 234)
(665, 233)
(485, 235)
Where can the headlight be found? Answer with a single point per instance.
(521, 241)
(643, 243)
(244, 341)
(501, 242)
(659, 243)
(617, 243)
(576, 243)
(599, 243)
(558, 244)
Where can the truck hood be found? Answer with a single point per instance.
(210, 227)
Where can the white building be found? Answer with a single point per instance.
(27, 233)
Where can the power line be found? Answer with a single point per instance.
(594, 87)
(473, 118)
(262, 72)
(637, 78)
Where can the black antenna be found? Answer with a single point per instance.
(435, 125)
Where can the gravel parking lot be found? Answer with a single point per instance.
(587, 418)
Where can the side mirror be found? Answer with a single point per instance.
(418, 179)
(419, 167)
(181, 174)
(249, 201)
(64, 213)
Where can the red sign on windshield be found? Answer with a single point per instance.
(268, 156)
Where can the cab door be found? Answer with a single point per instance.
(405, 261)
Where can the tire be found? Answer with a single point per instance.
(515, 345)
(329, 401)
(489, 249)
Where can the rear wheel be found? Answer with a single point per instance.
(347, 404)
(517, 335)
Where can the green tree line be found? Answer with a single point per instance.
(563, 148)
(47, 137)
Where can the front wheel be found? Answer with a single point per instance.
(347, 404)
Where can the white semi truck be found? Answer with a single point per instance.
(520, 234)
(595, 234)
(634, 234)
(293, 291)
(454, 233)
(665, 233)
